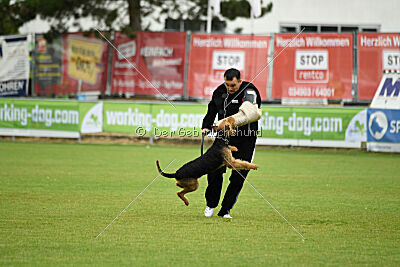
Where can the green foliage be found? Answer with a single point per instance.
(240, 8)
(55, 198)
(110, 14)
(14, 15)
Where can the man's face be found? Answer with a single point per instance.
(232, 85)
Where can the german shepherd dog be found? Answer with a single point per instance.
(217, 156)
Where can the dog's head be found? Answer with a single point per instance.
(226, 126)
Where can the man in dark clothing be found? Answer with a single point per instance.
(229, 99)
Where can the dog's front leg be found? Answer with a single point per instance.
(232, 148)
(243, 165)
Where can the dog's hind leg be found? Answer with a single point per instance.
(181, 195)
(187, 188)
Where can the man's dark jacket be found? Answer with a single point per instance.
(232, 102)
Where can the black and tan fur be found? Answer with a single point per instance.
(217, 156)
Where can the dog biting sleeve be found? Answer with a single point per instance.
(248, 113)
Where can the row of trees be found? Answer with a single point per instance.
(124, 15)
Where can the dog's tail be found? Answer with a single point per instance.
(168, 175)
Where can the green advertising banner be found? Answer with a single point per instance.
(344, 124)
(159, 120)
(131, 118)
(39, 114)
(181, 120)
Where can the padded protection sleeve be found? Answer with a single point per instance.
(248, 113)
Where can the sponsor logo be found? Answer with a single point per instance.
(93, 120)
(311, 66)
(41, 45)
(391, 59)
(356, 130)
(377, 124)
(156, 51)
(223, 60)
(390, 89)
(127, 50)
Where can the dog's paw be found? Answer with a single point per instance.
(184, 199)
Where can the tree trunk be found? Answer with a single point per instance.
(135, 22)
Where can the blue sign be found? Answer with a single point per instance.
(383, 125)
(13, 88)
(390, 89)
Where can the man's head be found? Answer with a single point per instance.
(232, 80)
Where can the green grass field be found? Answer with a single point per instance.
(55, 198)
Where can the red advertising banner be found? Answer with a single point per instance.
(152, 59)
(313, 66)
(85, 64)
(212, 54)
(377, 52)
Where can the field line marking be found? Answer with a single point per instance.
(133, 66)
(266, 66)
(255, 189)
(133, 200)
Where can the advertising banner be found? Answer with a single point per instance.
(39, 115)
(304, 126)
(383, 125)
(313, 66)
(48, 66)
(313, 123)
(14, 66)
(91, 117)
(212, 54)
(151, 64)
(124, 64)
(159, 120)
(377, 52)
(85, 64)
(387, 96)
(184, 121)
(131, 118)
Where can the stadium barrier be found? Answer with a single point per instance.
(288, 126)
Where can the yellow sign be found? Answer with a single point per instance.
(84, 58)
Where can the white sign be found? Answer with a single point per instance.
(311, 59)
(127, 50)
(387, 96)
(391, 59)
(14, 66)
(93, 120)
(223, 60)
(311, 66)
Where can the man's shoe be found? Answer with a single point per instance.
(227, 216)
(224, 214)
(209, 212)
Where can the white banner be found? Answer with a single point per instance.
(387, 96)
(14, 65)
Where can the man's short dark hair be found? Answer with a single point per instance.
(232, 73)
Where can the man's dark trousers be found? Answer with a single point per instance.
(245, 145)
